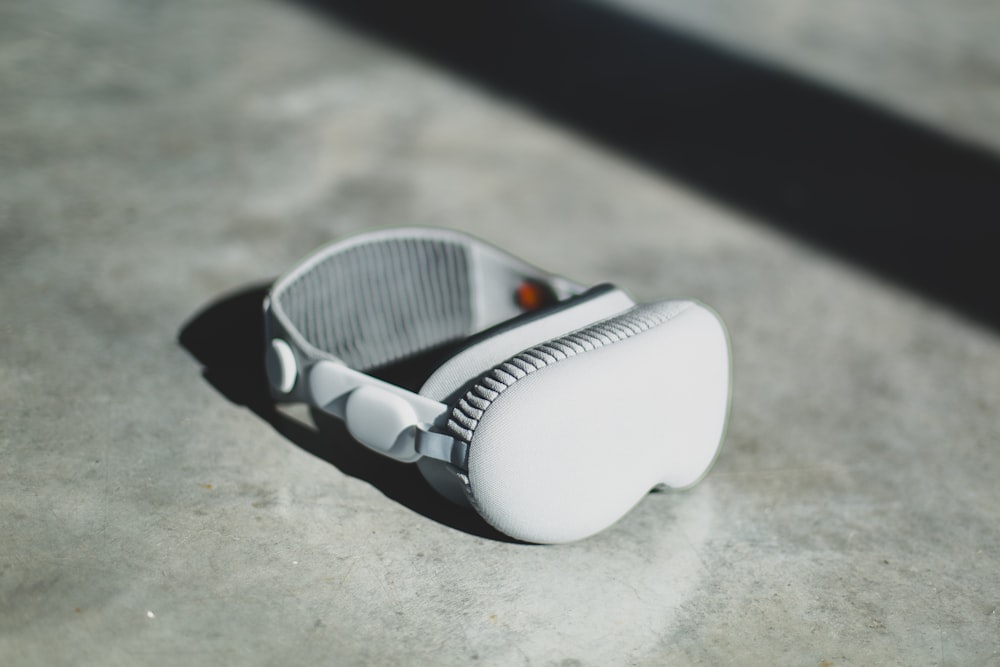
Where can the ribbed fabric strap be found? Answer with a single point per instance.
(375, 303)
(469, 410)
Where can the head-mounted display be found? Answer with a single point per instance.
(561, 410)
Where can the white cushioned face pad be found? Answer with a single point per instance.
(573, 433)
(479, 358)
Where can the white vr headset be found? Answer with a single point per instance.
(563, 408)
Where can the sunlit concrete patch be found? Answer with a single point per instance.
(613, 595)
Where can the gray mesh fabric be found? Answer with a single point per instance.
(466, 414)
(375, 303)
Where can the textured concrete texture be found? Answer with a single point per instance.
(162, 161)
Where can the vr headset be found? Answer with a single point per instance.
(562, 406)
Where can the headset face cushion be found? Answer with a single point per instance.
(502, 342)
(566, 437)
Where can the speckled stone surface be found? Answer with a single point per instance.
(161, 162)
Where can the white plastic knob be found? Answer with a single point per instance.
(280, 365)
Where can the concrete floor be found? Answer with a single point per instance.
(162, 161)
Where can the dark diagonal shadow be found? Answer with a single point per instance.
(889, 194)
(227, 338)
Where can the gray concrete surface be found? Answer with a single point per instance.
(159, 157)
